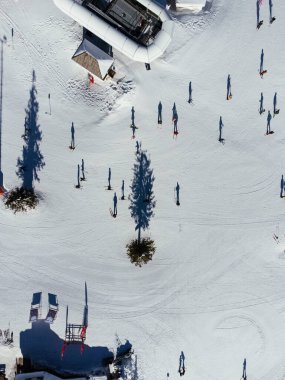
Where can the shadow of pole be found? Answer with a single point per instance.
(2, 40)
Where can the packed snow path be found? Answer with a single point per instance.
(215, 288)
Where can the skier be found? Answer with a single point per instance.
(177, 189)
(269, 117)
(261, 71)
(115, 200)
(190, 100)
(220, 129)
(229, 88)
(261, 109)
(270, 10)
(109, 179)
(281, 186)
(72, 130)
(159, 120)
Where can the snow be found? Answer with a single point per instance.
(215, 287)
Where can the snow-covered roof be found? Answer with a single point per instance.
(116, 38)
(104, 60)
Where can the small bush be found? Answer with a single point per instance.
(140, 253)
(21, 199)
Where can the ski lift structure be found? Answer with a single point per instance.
(36, 308)
(76, 333)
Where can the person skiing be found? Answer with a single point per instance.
(159, 120)
(269, 117)
(261, 109)
(229, 88)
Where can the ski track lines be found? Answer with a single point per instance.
(32, 50)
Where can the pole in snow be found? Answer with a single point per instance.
(78, 177)
(2, 40)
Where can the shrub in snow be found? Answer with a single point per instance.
(140, 252)
(21, 199)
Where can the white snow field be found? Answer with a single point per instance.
(215, 288)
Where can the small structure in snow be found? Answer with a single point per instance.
(43, 375)
(94, 59)
(193, 6)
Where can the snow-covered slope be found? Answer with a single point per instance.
(215, 288)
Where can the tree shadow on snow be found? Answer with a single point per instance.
(142, 197)
(32, 160)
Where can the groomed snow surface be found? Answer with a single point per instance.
(216, 286)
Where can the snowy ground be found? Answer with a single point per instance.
(215, 288)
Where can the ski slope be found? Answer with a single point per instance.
(215, 287)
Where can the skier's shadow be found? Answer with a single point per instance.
(257, 11)
(181, 369)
